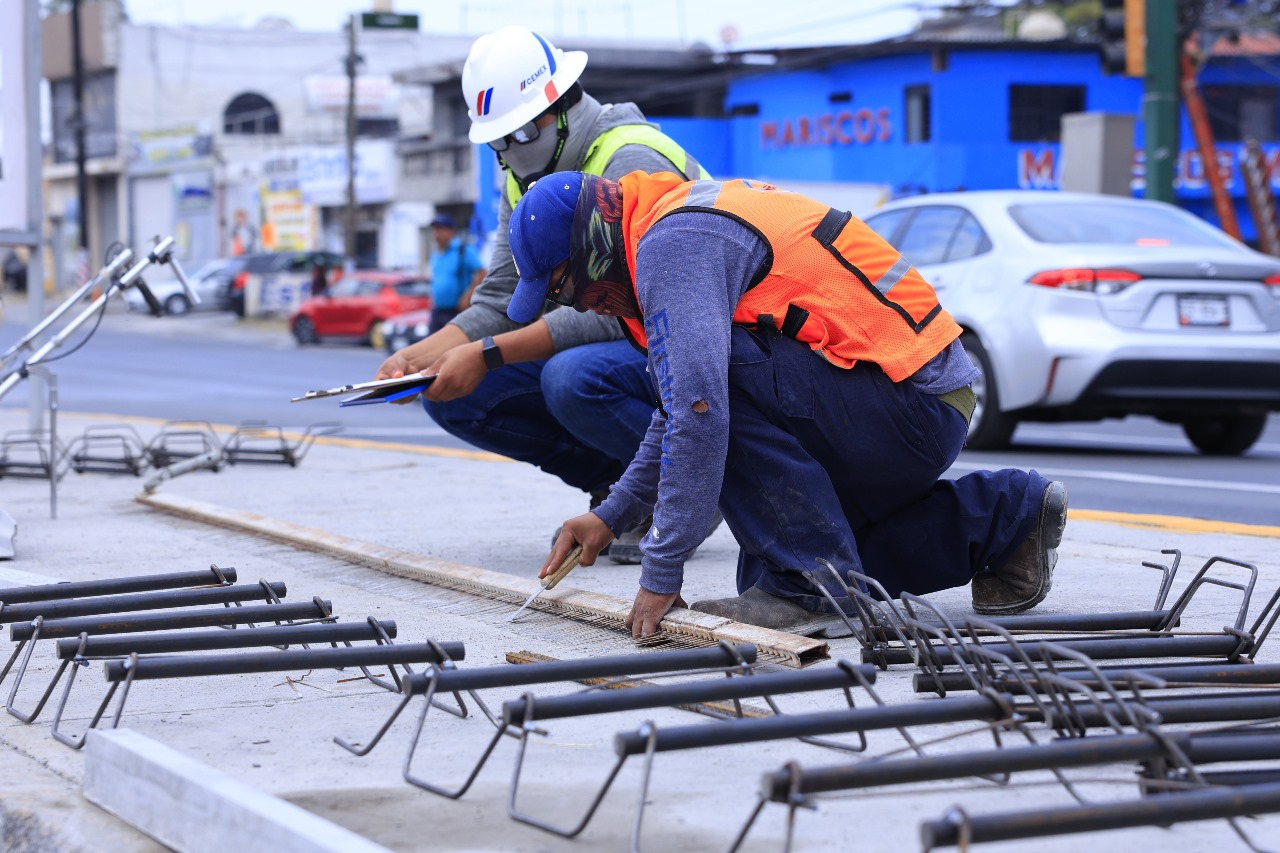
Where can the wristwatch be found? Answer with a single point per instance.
(492, 353)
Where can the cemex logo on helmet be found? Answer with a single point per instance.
(539, 236)
(533, 78)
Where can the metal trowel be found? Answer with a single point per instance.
(552, 579)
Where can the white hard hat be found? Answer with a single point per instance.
(511, 77)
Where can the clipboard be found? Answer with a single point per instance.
(377, 391)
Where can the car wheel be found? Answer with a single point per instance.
(990, 428)
(1228, 435)
(377, 338)
(177, 305)
(395, 343)
(304, 331)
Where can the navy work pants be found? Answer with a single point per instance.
(845, 465)
(579, 415)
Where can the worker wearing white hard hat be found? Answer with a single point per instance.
(566, 392)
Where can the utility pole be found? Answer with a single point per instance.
(353, 63)
(78, 125)
(1160, 100)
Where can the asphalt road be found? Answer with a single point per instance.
(211, 367)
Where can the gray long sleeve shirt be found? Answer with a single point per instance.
(691, 271)
(588, 119)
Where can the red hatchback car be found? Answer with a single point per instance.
(356, 305)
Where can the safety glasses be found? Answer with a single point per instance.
(522, 135)
(561, 292)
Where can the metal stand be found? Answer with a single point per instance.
(447, 679)
(38, 612)
(520, 714)
(108, 449)
(125, 671)
(260, 443)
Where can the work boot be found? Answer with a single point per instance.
(597, 498)
(626, 548)
(1025, 578)
(757, 607)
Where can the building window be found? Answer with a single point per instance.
(378, 127)
(918, 108)
(1237, 113)
(250, 113)
(1035, 112)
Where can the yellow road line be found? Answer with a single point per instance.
(1174, 523)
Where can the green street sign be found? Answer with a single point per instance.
(388, 21)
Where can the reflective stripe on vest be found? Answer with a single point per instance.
(829, 280)
(602, 149)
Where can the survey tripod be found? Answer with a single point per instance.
(14, 368)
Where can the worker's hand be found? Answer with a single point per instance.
(648, 610)
(415, 357)
(458, 372)
(586, 530)
(396, 365)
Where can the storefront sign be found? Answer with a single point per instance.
(847, 127)
(376, 96)
(167, 148)
(320, 173)
(1038, 169)
(290, 224)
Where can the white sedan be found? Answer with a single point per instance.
(1083, 307)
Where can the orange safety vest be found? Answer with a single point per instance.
(829, 281)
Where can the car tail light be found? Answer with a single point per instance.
(238, 282)
(1273, 284)
(1104, 281)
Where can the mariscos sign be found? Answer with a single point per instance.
(847, 127)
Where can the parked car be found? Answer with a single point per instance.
(211, 283)
(357, 305)
(404, 329)
(274, 272)
(1083, 307)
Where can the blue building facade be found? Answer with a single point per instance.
(933, 118)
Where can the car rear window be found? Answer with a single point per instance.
(262, 263)
(1116, 224)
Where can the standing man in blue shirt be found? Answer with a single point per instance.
(455, 271)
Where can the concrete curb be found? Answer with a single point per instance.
(189, 806)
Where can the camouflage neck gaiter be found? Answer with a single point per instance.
(597, 252)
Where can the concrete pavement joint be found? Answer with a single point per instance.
(679, 624)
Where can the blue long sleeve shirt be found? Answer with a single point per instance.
(691, 272)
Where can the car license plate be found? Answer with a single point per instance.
(1203, 311)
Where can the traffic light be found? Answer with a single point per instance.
(1123, 30)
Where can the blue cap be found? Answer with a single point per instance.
(539, 236)
(443, 220)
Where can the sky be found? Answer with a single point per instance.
(744, 23)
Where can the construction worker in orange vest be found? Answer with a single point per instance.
(809, 384)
